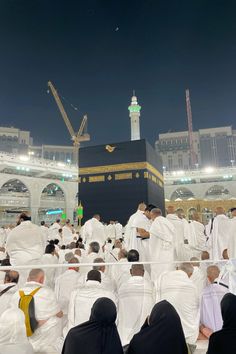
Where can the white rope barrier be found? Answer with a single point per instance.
(71, 265)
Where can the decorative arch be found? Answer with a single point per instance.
(15, 185)
(217, 191)
(182, 193)
(53, 190)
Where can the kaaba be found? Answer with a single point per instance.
(115, 178)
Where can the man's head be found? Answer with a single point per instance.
(5, 262)
(78, 252)
(213, 273)
(187, 268)
(142, 206)
(74, 260)
(170, 209)
(36, 275)
(205, 255)
(180, 213)
(118, 244)
(219, 211)
(195, 216)
(102, 268)
(137, 270)
(94, 247)
(23, 217)
(195, 262)
(11, 276)
(50, 249)
(122, 254)
(133, 256)
(233, 212)
(155, 213)
(94, 275)
(225, 254)
(148, 210)
(97, 216)
(42, 223)
(68, 256)
(72, 245)
(58, 221)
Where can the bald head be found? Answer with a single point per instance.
(170, 209)
(213, 273)
(219, 211)
(99, 267)
(68, 256)
(122, 254)
(137, 270)
(36, 275)
(195, 262)
(142, 206)
(155, 213)
(11, 276)
(187, 268)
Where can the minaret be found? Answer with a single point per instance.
(134, 113)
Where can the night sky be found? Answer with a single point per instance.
(97, 52)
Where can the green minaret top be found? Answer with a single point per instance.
(134, 107)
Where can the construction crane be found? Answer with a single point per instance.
(190, 130)
(78, 137)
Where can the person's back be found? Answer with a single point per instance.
(136, 299)
(83, 298)
(47, 312)
(13, 338)
(25, 243)
(210, 312)
(224, 341)
(179, 290)
(8, 289)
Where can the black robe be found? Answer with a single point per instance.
(99, 335)
(224, 341)
(161, 334)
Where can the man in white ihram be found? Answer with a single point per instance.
(181, 228)
(217, 232)
(136, 300)
(161, 244)
(232, 235)
(25, 244)
(83, 298)
(47, 312)
(177, 288)
(196, 236)
(93, 230)
(128, 228)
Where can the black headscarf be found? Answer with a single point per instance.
(99, 335)
(162, 335)
(224, 341)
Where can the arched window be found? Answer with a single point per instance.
(182, 193)
(216, 191)
(14, 186)
(52, 190)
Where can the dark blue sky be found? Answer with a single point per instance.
(161, 48)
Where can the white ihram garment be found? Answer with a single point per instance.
(6, 297)
(128, 230)
(218, 234)
(25, 244)
(161, 246)
(13, 338)
(199, 279)
(53, 230)
(49, 272)
(196, 238)
(3, 237)
(93, 230)
(45, 337)
(141, 244)
(179, 290)
(181, 226)
(67, 235)
(81, 302)
(232, 238)
(45, 231)
(119, 230)
(136, 300)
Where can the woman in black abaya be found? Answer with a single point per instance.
(224, 341)
(99, 335)
(162, 333)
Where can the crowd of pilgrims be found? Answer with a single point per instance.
(158, 308)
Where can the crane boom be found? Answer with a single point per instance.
(190, 129)
(61, 109)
